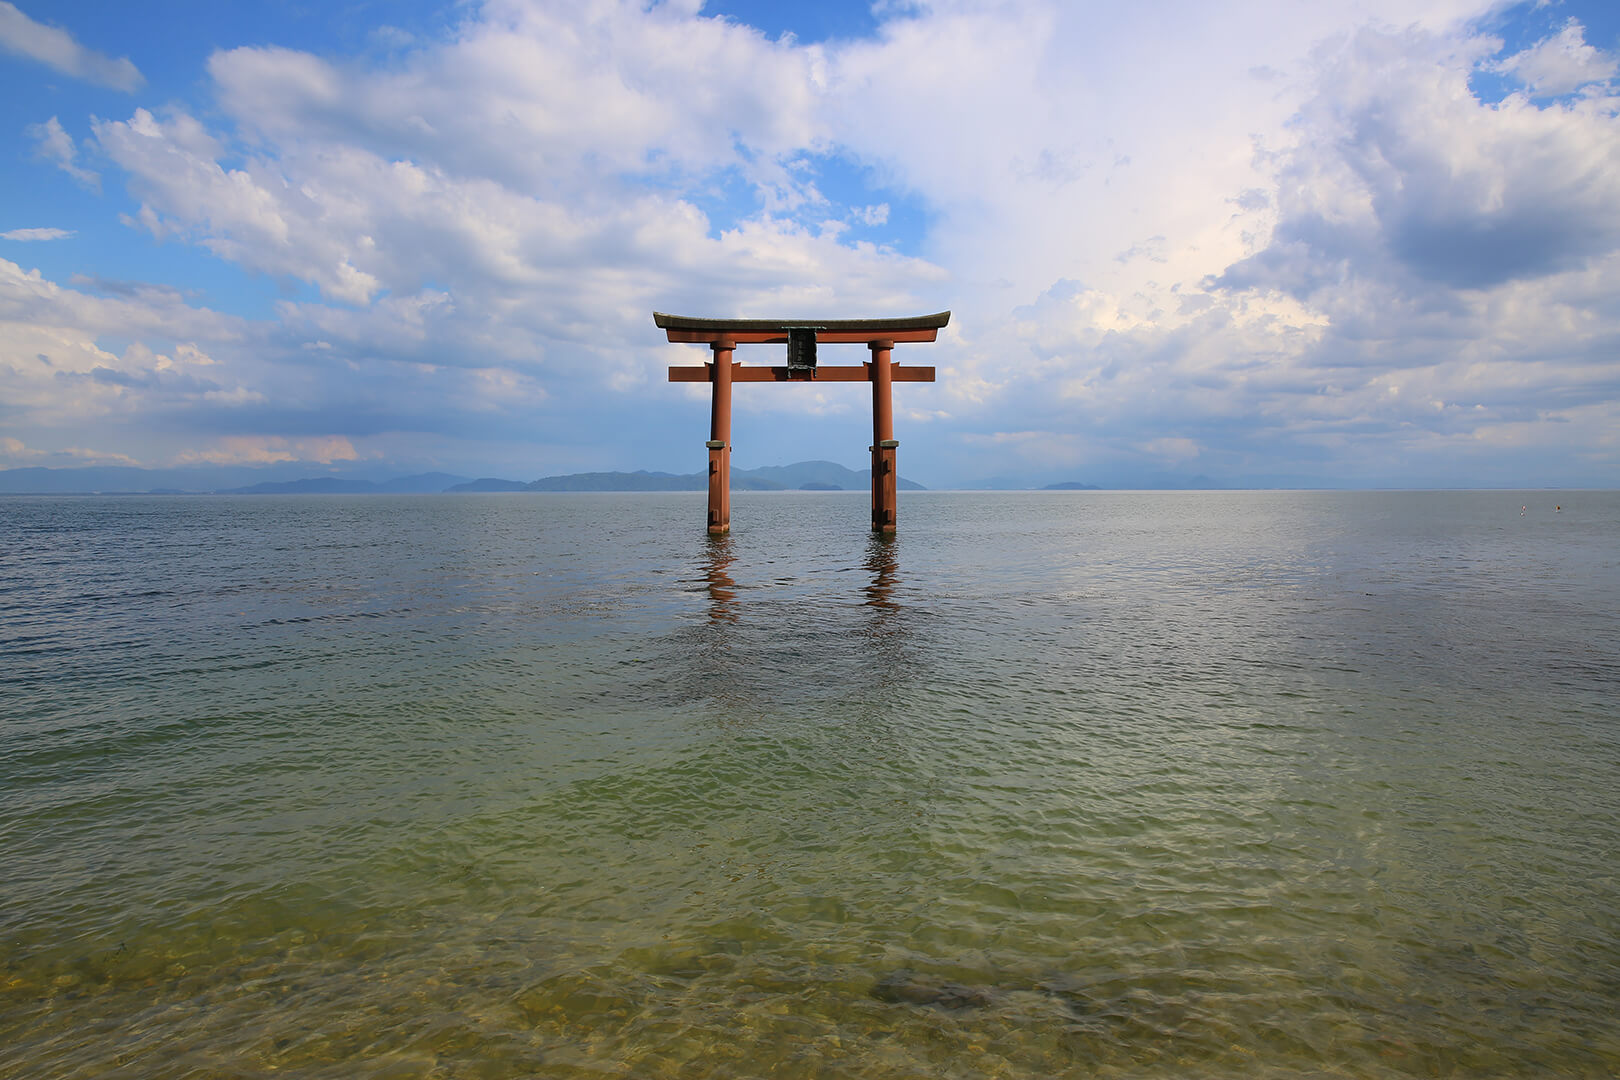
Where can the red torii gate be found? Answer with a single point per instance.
(801, 336)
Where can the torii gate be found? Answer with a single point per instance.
(802, 336)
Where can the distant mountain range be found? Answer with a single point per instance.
(488, 484)
(120, 480)
(420, 484)
(284, 479)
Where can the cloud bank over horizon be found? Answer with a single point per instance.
(1371, 245)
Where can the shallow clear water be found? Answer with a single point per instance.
(1085, 784)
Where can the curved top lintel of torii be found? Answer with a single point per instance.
(686, 328)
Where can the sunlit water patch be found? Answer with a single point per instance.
(1211, 784)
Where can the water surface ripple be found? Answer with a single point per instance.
(1070, 784)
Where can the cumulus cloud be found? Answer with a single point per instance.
(550, 98)
(57, 49)
(1459, 260)
(1411, 276)
(1561, 64)
(1460, 193)
(1402, 171)
(489, 221)
(513, 274)
(59, 370)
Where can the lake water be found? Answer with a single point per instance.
(1052, 784)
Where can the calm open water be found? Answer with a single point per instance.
(1089, 784)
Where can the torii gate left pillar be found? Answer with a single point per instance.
(878, 335)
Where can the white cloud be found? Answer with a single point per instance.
(549, 98)
(1112, 170)
(56, 145)
(1173, 449)
(514, 275)
(270, 450)
(57, 48)
(29, 235)
(1402, 171)
(58, 372)
(15, 453)
(1051, 137)
(1458, 261)
(15, 450)
(1561, 64)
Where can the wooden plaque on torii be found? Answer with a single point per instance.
(801, 336)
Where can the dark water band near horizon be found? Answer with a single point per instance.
(1215, 784)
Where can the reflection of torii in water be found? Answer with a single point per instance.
(722, 589)
(801, 337)
(880, 562)
(884, 568)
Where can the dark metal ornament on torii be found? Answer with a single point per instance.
(801, 336)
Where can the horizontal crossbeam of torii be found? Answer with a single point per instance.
(722, 336)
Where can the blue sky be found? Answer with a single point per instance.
(1370, 244)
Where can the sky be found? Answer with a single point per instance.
(1258, 243)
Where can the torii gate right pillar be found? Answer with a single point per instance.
(885, 477)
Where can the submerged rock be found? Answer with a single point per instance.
(909, 988)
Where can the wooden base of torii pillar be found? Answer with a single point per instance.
(722, 336)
